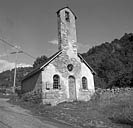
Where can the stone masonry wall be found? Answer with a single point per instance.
(50, 95)
(59, 67)
(67, 31)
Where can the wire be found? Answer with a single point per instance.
(4, 41)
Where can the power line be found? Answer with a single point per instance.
(4, 41)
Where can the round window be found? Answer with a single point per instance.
(70, 67)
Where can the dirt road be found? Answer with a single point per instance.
(12, 116)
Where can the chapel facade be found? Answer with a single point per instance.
(66, 76)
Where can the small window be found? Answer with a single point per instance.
(56, 82)
(84, 83)
(70, 67)
(47, 86)
(67, 16)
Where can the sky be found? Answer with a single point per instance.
(31, 25)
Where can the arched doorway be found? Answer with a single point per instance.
(72, 88)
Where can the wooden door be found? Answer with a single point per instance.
(72, 88)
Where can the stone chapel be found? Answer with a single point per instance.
(66, 76)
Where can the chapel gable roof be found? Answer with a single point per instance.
(41, 66)
(86, 63)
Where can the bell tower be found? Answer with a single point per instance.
(67, 38)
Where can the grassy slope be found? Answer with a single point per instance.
(103, 111)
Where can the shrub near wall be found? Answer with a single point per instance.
(34, 96)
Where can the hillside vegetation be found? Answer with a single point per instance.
(113, 63)
(6, 77)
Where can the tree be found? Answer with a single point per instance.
(113, 62)
(39, 61)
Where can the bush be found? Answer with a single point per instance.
(33, 96)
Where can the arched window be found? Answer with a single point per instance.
(84, 83)
(56, 82)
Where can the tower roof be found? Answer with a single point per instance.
(69, 9)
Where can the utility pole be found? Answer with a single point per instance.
(18, 51)
(15, 69)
